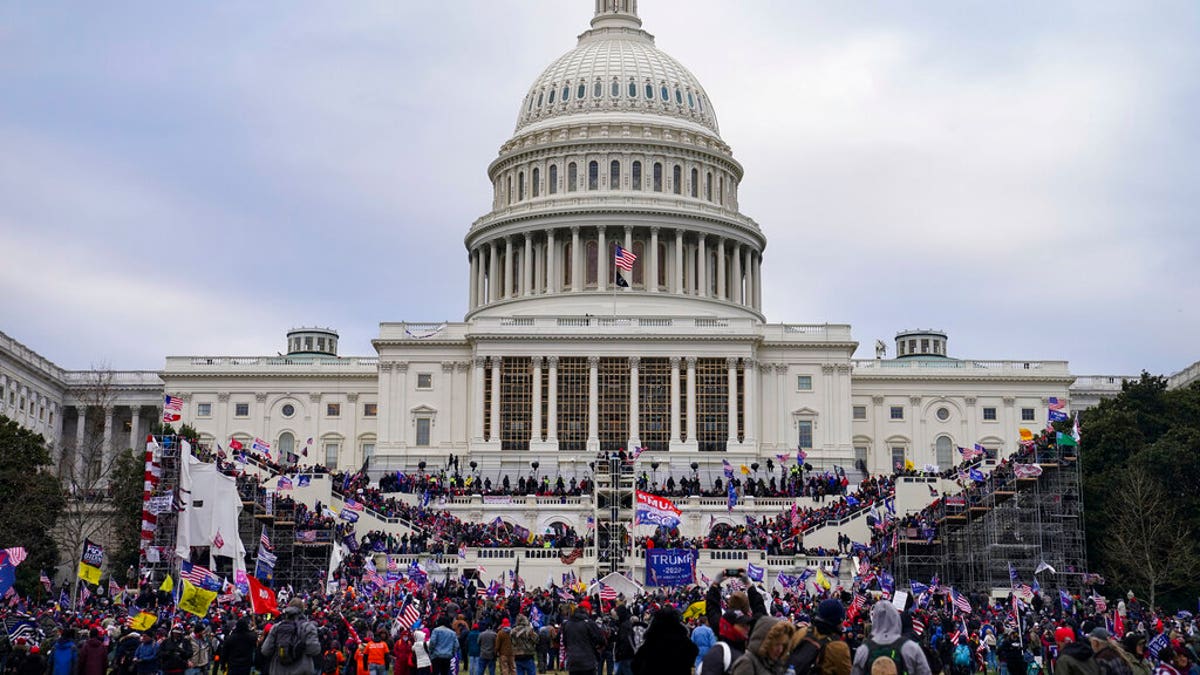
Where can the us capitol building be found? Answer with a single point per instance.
(561, 353)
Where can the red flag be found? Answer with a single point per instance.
(234, 444)
(262, 599)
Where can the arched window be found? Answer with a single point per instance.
(550, 101)
(597, 89)
(636, 175)
(590, 266)
(615, 90)
(632, 89)
(649, 92)
(666, 95)
(581, 91)
(678, 96)
(639, 275)
(287, 446)
(540, 95)
(662, 264)
(614, 175)
(536, 188)
(657, 177)
(572, 177)
(553, 186)
(721, 189)
(568, 260)
(708, 186)
(945, 452)
(695, 183)
(566, 93)
(520, 185)
(593, 175)
(700, 102)
(691, 101)
(677, 179)
(508, 192)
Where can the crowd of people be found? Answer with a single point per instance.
(727, 627)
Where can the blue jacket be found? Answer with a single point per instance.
(704, 638)
(443, 643)
(146, 658)
(473, 642)
(64, 657)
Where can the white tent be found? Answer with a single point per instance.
(624, 585)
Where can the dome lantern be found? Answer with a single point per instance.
(616, 14)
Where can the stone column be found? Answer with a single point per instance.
(552, 403)
(731, 364)
(576, 273)
(385, 411)
(781, 379)
(473, 287)
(593, 437)
(635, 408)
(106, 451)
(507, 292)
(527, 266)
(691, 401)
(757, 280)
(675, 439)
(749, 403)
(535, 435)
(652, 268)
(551, 285)
(493, 272)
(735, 282)
(135, 423)
(722, 282)
(495, 412)
(701, 267)
(748, 270)
(477, 409)
(398, 418)
(80, 425)
(678, 276)
(602, 256)
(629, 247)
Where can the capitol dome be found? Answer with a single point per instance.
(616, 69)
(615, 193)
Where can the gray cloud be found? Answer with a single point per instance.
(197, 179)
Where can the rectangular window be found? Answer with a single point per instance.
(333, 409)
(203, 410)
(368, 450)
(1027, 415)
(989, 414)
(331, 455)
(370, 409)
(897, 412)
(804, 383)
(241, 409)
(898, 458)
(860, 457)
(860, 412)
(424, 380)
(806, 435)
(423, 424)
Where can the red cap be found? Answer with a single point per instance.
(1064, 634)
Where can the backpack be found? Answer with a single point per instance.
(885, 659)
(962, 656)
(726, 657)
(806, 657)
(289, 642)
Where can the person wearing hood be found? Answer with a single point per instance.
(1074, 657)
(292, 623)
(886, 641)
(504, 648)
(767, 651)
(704, 638)
(821, 645)
(237, 651)
(93, 657)
(420, 647)
(667, 650)
(582, 641)
(1134, 647)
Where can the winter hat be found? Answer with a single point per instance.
(830, 615)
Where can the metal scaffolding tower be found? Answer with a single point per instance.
(613, 509)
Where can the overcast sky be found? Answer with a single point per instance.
(196, 178)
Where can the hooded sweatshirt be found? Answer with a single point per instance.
(768, 632)
(885, 630)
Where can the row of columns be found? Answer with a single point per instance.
(593, 437)
(28, 406)
(542, 261)
(106, 449)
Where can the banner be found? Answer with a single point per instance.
(497, 499)
(262, 599)
(196, 599)
(655, 510)
(90, 562)
(1026, 470)
(670, 566)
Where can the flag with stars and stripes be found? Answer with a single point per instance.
(624, 259)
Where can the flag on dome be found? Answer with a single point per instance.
(624, 259)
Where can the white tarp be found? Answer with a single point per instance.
(624, 585)
(211, 507)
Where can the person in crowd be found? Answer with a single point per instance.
(667, 649)
(524, 646)
(581, 640)
(818, 649)
(292, 645)
(1075, 657)
(238, 649)
(767, 651)
(887, 642)
(704, 638)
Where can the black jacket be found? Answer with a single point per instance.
(239, 649)
(582, 641)
(623, 645)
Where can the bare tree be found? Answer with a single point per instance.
(1148, 545)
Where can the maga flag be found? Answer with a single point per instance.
(90, 562)
(262, 599)
(195, 600)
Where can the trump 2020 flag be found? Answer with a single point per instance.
(754, 572)
(655, 510)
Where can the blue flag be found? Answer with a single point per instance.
(1155, 645)
(754, 572)
(1064, 598)
(976, 475)
(917, 587)
(886, 582)
(8, 577)
(852, 500)
(1058, 416)
(732, 496)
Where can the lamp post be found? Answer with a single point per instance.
(696, 475)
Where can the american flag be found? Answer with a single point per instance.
(172, 403)
(410, 614)
(84, 595)
(45, 581)
(199, 576)
(1055, 404)
(114, 589)
(353, 505)
(960, 601)
(624, 259)
(572, 556)
(607, 592)
(265, 540)
(16, 555)
(860, 602)
(393, 565)
(918, 625)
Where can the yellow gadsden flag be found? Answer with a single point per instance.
(90, 562)
(195, 600)
(143, 621)
(694, 610)
(821, 581)
(167, 585)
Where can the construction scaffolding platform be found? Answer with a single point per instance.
(1005, 521)
(613, 512)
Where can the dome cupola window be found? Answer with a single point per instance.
(572, 177)
(550, 100)
(553, 187)
(520, 186)
(677, 179)
(614, 175)
(678, 96)
(695, 183)
(649, 92)
(636, 173)
(657, 177)
(593, 175)
(566, 93)
(537, 182)
(540, 96)
(691, 101)
(581, 92)
(666, 95)
(632, 89)
(615, 91)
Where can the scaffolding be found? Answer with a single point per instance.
(613, 512)
(1006, 521)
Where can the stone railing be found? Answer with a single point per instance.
(966, 366)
